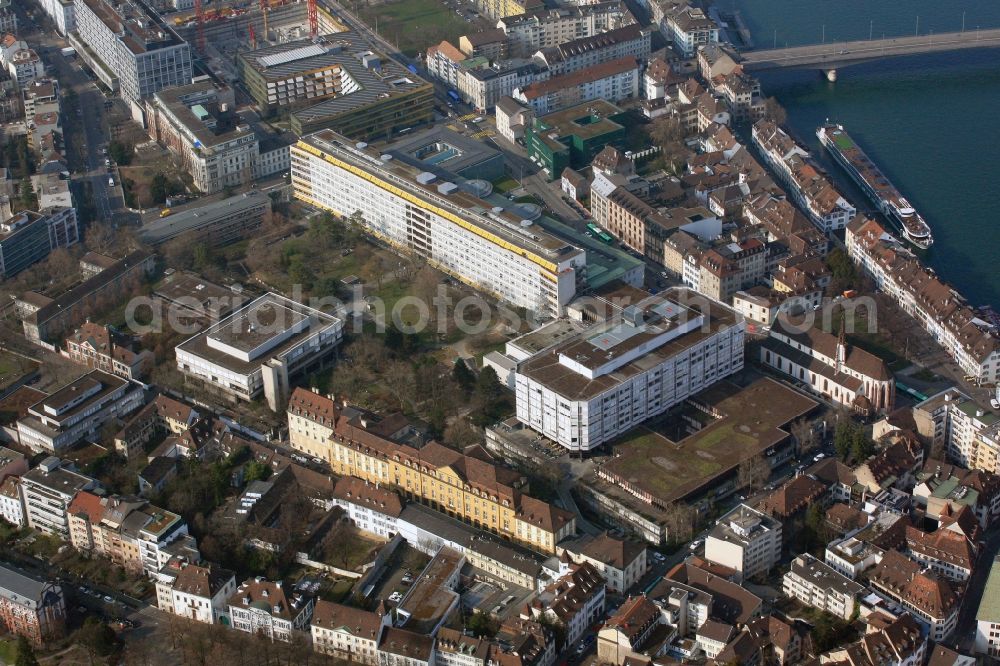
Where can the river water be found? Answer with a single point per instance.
(930, 122)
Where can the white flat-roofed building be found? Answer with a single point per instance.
(255, 350)
(988, 615)
(636, 364)
(77, 411)
(487, 247)
(817, 584)
(128, 41)
(62, 13)
(745, 540)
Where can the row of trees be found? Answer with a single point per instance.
(851, 442)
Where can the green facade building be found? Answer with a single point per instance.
(573, 136)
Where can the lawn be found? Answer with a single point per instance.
(13, 367)
(413, 25)
(504, 185)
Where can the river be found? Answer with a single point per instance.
(928, 121)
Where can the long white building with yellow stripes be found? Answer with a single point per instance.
(491, 248)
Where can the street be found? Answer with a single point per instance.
(85, 126)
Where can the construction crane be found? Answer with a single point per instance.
(313, 20)
(253, 38)
(199, 13)
(265, 5)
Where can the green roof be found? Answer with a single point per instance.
(970, 408)
(989, 607)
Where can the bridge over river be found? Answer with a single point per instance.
(831, 56)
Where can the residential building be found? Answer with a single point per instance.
(46, 318)
(830, 366)
(818, 585)
(489, 44)
(498, 9)
(216, 223)
(78, 411)
(929, 597)
(888, 641)
(763, 306)
(401, 647)
(958, 427)
(952, 549)
(511, 118)
(726, 269)
(622, 562)
(163, 415)
(689, 28)
(523, 643)
(433, 596)
(13, 463)
(11, 504)
(631, 40)
(347, 633)
(575, 600)
(442, 62)
(988, 615)
(482, 85)
(100, 348)
(199, 124)
(527, 33)
(129, 531)
(455, 648)
(745, 540)
(810, 187)
(450, 227)
(29, 237)
(129, 42)
(599, 383)
(30, 607)
(47, 491)
(573, 136)
(264, 608)
(943, 489)
(341, 83)
(198, 593)
(21, 62)
(625, 633)
(257, 349)
(371, 508)
(613, 81)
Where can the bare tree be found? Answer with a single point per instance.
(774, 112)
(804, 435)
(753, 473)
(668, 133)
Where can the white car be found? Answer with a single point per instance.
(695, 545)
(819, 456)
(395, 597)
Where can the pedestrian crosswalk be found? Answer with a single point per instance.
(483, 134)
(468, 116)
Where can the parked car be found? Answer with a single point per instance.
(695, 545)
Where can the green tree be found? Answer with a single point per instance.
(862, 447)
(843, 438)
(844, 274)
(482, 625)
(159, 188)
(256, 471)
(25, 652)
(299, 273)
(829, 631)
(120, 152)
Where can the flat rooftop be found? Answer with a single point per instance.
(602, 343)
(753, 420)
(158, 230)
(439, 146)
(207, 122)
(78, 395)
(269, 319)
(139, 28)
(551, 333)
(426, 185)
(343, 50)
(192, 290)
(586, 120)
(429, 600)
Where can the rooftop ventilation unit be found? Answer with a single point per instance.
(447, 188)
(426, 178)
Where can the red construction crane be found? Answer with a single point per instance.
(199, 13)
(253, 37)
(313, 20)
